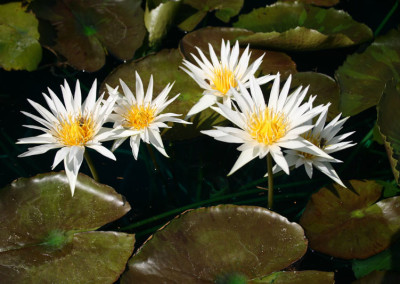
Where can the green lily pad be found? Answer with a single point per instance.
(19, 38)
(383, 277)
(301, 27)
(164, 66)
(363, 76)
(389, 124)
(324, 3)
(297, 277)
(224, 10)
(347, 223)
(87, 29)
(325, 87)
(273, 62)
(45, 233)
(207, 244)
(158, 19)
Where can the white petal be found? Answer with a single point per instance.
(273, 97)
(40, 139)
(277, 155)
(205, 102)
(72, 164)
(135, 144)
(139, 89)
(245, 157)
(118, 143)
(103, 150)
(37, 150)
(90, 101)
(328, 170)
(60, 155)
(128, 93)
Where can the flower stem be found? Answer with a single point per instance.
(270, 182)
(153, 157)
(92, 168)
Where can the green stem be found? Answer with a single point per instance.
(92, 168)
(270, 182)
(153, 157)
(386, 19)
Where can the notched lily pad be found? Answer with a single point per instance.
(301, 27)
(19, 38)
(297, 277)
(325, 87)
(206, 244)
(44, 231)
(363, 76)
(87, 29)
(164, 66)
(273, 62)
(347, 223)
(389, 124)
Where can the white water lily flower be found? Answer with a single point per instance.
(139, 117)
(325, 139)
(219, 77)
(265, 128)
(71, 126)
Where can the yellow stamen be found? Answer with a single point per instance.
(139, 117)
(223, 80)
(316, 140)
(75, 131)
(267, 127)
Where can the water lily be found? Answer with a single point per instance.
(324, 138)
(139, 117)
(71, 126)
(220, 76)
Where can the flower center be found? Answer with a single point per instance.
(267, 127)
(316, 140)
(75, 131)
(139, 117)
(223, 80)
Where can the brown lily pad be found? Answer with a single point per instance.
(45, 233)
(323, 3)
(301, 27)
(169, 61)
(348, 223)
(203, 245)
(273, 61)
(86, 29)
(363, 76)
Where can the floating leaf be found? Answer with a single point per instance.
(389, 124)
(43, 231)
(191, 22)
(224, 10)
(158, 19)
(273, 62)
(296, 26)
(324, 3)
(325, 87)
(168, 61)
(363, 76)
(384, 277)
(86, 29)
(347, 223)
(226, 241)
(297, 277)
(19, 38)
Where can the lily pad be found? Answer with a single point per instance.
(158, 19)
(224, 10)
(389, 124)
(384, 277)
(87, 29)
(45, 233)
(347, 223)
(273, 62)
(296, 26)
(19, 38)
(164, 66)
(363, 76)
(297, 277)
(206, 244)
(324, 3)
(325, 87)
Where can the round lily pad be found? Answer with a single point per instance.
(389, 124)
(86, 29)
(273, 61)
(297, 277)
(363, 76)
(297, 26)
(19, 38)
(347, 223)
(325, 87)
(203, 245)
(44, 231)
(164, 66)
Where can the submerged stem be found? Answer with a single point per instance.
(270, 182)
(92, 168)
